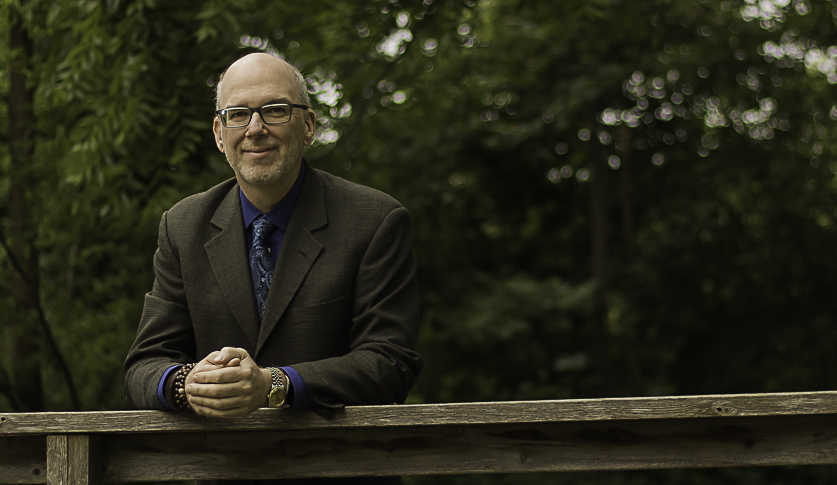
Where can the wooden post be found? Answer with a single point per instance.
(74, 459)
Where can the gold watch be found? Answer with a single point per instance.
(278, 392)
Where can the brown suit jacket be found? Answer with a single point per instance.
(342, 309)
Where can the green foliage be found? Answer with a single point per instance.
(708, 126)
(120, 119)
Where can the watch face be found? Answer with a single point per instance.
(276, 398)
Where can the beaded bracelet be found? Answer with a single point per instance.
(181, 402)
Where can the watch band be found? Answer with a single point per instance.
(277, 396)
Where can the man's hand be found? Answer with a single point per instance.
(208, 363)
(227, 383)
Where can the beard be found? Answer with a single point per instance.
(278, 166)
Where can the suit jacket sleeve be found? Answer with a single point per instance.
(381, 365)
(165, 336)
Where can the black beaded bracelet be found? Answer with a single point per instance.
(180, 401)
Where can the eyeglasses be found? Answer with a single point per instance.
(271, 114)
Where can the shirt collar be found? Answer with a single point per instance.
(280, 214)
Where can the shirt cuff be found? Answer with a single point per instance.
(161, 387)
(301, 398)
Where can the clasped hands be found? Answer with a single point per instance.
(227, 383)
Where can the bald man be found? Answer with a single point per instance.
(283, 286)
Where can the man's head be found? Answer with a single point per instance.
(301, 85)
(261, 154)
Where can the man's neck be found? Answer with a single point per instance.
(264, 197)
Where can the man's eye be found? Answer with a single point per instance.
(237, 115)
(276, 110)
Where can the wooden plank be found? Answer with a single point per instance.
(74, 460)
(86, 459)
(57, 460)
(571, 410)
(466, 449)
(23, 459)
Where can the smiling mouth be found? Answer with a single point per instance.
(258, 149)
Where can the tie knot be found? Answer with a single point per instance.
(262, 230)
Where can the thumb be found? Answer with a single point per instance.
(227, 354)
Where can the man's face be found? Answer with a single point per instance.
(263, 155)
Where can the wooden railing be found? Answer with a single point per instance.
(435, 439)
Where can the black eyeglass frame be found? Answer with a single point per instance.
(219, 113)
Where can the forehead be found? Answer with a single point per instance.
(257, 79)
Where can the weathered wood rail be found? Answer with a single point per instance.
(499, 437)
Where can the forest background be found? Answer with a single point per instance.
(610, 197)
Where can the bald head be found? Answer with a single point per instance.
(267, 64)
(265, 155)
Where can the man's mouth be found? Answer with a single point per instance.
(258, 153)
(258, 149)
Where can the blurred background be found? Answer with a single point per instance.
(610, 197)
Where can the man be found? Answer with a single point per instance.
(284, 280)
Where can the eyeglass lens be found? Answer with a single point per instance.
(270, 113)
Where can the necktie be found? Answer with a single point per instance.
(261, 263)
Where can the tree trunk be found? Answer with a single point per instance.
(598, 238)
(27, 347)
(623, 147)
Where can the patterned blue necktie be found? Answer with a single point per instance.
(261, 262)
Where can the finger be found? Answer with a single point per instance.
(202, 366)
(221, 375)
(212, 356)
(219, 390)
(224, 399)
(218, 403)
(228, 353)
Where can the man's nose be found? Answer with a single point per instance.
(256, 126)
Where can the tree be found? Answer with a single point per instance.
(610, 198)
(103, 128)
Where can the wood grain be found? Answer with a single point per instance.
(522, 412)
(500, 437)
(23, 459)
(86, 459)
(510, 448)
(74, 460)
(58, 472)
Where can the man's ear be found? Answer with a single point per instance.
(216, 130)
(310, 120)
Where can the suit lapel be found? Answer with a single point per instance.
(299, 251)
(226, 252)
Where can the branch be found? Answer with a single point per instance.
(44, 324)
(59, 358)
(15, 262)
(6, 390)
